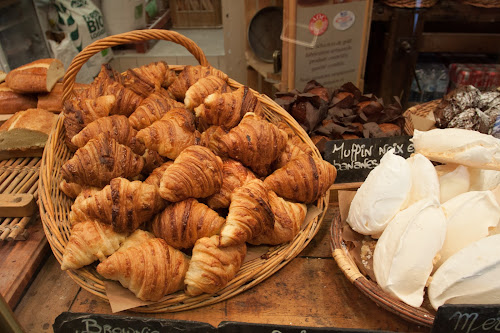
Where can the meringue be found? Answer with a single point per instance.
(469, 217)
(453, 180)
(381, 196)
(470, 276)
(403, 257)
(482, 179)
(425, 181)
(460, 146)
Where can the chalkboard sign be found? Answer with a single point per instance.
(69, 322)
(467, 319)
(354, 159)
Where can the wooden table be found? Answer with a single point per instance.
(309, 291)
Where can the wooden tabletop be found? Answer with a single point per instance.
(309, 291)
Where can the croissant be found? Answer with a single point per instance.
(291, 152)
(288, 219)
(196, 173)
(155, 176)
(76, 215)
(171, 134)
(124, 204)
(202, 88)
(211, 137)
(184, 222)
(136, 238)
(150, 270)
(188, 76)
(126, 99)
(90, 241)
(212, 266)
(227, 109)
(234, 175)
(304, 179)
(117, 127)
(152, 109)
(70, 189)
(148, 78)
(254, 142)
(78, 113)
(249, 214)
(101, 160)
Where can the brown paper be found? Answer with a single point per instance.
(121, 299)
(423, 123)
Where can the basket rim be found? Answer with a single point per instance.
(368, 287)
(87, 278)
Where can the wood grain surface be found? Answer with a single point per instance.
(310, 291)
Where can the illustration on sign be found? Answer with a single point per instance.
(318, 24)
(344, 20)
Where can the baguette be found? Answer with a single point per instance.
(11, 102)
(38, 76)
(52, 101)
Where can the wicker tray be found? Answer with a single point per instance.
(55, 206)
(368, 287)
(410, 3)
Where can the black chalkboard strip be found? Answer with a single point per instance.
(354, 159)
(466, 318)
(237, 327)
(69, 322)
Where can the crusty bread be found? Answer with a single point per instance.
(11, 102)
(36, 77)
(26, 133)
(52, 101)
(2, 76)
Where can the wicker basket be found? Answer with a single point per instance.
(421, 110)
(483, 3)
(368, 287)
(410, 3)
(55, 206)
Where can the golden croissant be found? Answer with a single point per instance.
(212, 266)
(136, 238)
(90, 241)
(304, 179)
(124, 204)
(126, 99)
(196, 173)
(227, 109)
(234, 175)
(150, 270)
(211, 137)
(78, 113)
(288, 219)
(249, 214)
(170, 135)
(155, 176)
(70, 189)
(152, 160)
(291, 152)
(202, 88)
(101, 160)
(75, 215)
(116, 127)
(188, 76)
(145, 79)
(183, 223)
(254, 142)
(152, 109)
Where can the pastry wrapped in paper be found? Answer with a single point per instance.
(404, 254)
(381, 196)
(470, 276)
(459, 146)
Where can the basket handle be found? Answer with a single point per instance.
(126, 38)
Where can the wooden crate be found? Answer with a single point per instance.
(196, 13)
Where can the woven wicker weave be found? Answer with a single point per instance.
(419, 110)
(483, 3)
(368, 287)
(410, 3)
(55, 206)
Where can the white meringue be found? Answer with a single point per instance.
(403, 257)
(425, 181)
(469, 217)
(381, 196)
(470, 276)
(482, 179)
(460, 146)
(453, 180)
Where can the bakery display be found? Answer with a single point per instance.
(193, 165)
(39, 76)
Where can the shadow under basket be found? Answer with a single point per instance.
(55, 206)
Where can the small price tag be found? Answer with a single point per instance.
(467, 319)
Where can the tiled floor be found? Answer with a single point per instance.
(211, 41)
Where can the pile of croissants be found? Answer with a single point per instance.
(173, 174)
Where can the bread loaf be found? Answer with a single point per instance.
(11, 102)
(36, 77)
(2, 76)
(26, 133)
